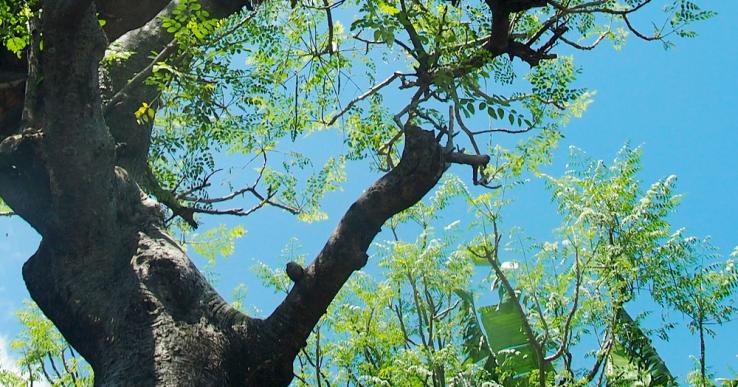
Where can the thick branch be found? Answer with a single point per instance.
(121, 17)
(66, 12)
(13, 74)
(501, 10)
(76, 145)
(468, 159)
(122, 81)
(24, 180)
(135, 306)
(124, 91)
(418, 171)
(527, 54)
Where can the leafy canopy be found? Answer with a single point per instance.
(257, 85)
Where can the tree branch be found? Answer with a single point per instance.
(76, 147)
(120, 17)
(573, 311)
(122, 81)
(586, 47)
(373, 90)
(68, 12)
(419, 169)
(140, 76)
(478, 161)
(24, 180)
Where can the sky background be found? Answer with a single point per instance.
(680, 105)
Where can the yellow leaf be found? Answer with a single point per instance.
(388, 9)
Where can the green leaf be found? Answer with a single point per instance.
(476, 345)
(504, 327)
(389, 37)
(4, 209)
(219, 241)
(16, 45)
(491, 112)
(388, 9)
(633, 359)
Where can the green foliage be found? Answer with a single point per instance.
(115, 55)
(639, 250)
(475, 342)
(216, 242)
(615, 246)
(9, 378)
(401, 328)
(551, 81)
(633, 360)
(686, 12)
(704, 294)
(244, 93)
(515, 355)
(45, 355)
(14, 17)
(219, 241)
(277, 279)
(190, 22)
(4, 209)
(259, 84)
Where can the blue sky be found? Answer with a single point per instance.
(680, 105)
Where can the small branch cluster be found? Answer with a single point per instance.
(187, 203)
(490, 253)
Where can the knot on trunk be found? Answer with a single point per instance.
(295, 271)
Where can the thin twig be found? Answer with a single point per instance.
(368, 93)
(587, 47)
(141, 76)
(570, 317)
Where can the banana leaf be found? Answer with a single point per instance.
(507, 340)
(633, 360)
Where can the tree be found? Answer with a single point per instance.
(46, 356)
(418, 323)
(106, 107)
(555, 300)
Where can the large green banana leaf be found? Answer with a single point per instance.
(633, 360)
(504, 328)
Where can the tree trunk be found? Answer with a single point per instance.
(703, 371)
(131, 302)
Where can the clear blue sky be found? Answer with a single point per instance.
(681, 105)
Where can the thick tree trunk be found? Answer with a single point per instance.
(140, 312)
(134, 305)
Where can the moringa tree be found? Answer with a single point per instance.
(106, 106)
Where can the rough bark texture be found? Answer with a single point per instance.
(120, 290)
